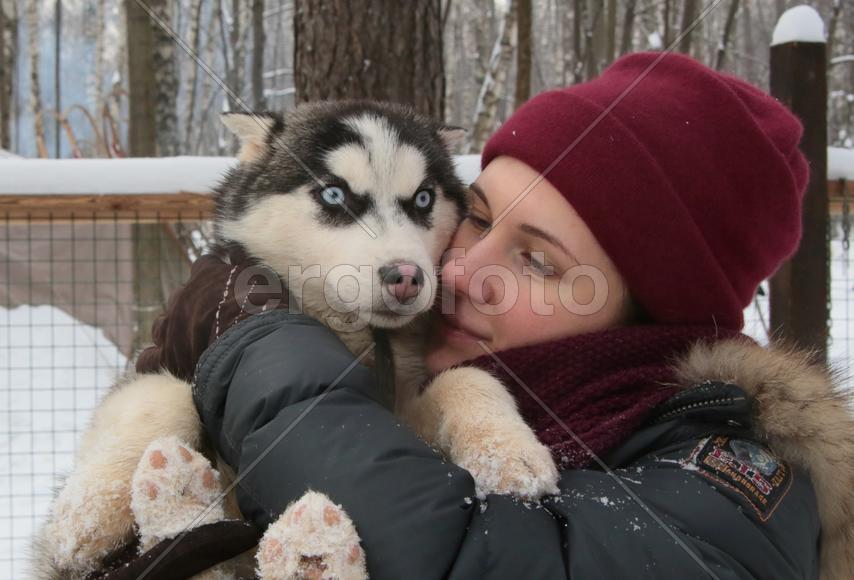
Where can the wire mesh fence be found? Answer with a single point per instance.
(79, 289)
(841, 291)
(78, 293)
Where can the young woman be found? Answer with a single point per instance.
(629, 220)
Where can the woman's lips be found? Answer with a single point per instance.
(454, 329)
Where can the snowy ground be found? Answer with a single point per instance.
(52, 371)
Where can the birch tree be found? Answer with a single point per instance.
(206, 99)
(8, 52)
(194, 40)
(258, 45)
(96, 79)
(495, 81)
(524, 22)
(165, 80)
(35, 81)
(57, 81)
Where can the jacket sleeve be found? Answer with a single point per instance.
(290, 410)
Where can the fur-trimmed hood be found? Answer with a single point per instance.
(804, 415)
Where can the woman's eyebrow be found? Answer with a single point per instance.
(479, 192)
(537, 232)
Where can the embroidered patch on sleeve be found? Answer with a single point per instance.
(744, 467)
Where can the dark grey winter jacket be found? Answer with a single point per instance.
(695, 493)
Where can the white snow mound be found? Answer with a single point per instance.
(799, 24)
(19, 176)
(840, 163)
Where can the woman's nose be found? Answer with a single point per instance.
(459, 267)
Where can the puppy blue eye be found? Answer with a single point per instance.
(332, 195)
(423, 199)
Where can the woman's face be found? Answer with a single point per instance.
(522, 269)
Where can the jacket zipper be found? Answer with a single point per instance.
(728, 400)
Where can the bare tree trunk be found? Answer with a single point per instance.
(594, 37)
(8, 53)
(35, 83)
(566, 42)
(165, 79)
(524, 18)
(628, 27)
(237, 54)
(611, 25)
(5, 71)
(96, 80)
(665, 17)
(452, 45)
(831, 26)
(689, 13)
(193, 76)
(578, 30)
(142, 139)
(152, 85)
(725, 35)
(749, 44)
(339, 53)
(493, 84)
(57, 66)
(258, 42)
(207, 87)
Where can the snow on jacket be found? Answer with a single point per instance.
(747, 473)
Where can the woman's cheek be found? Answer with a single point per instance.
(583, 290)
(465, 236)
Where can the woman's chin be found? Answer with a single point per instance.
(445, 356)
(449, 346)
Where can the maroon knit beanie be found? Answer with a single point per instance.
(691, 180)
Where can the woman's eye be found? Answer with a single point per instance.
(537, 262)
(332, 195)
(478, 222)
(423, 199)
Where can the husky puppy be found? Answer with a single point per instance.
(352, 204)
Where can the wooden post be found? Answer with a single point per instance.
(800, 289)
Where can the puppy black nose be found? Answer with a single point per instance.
(403, 280)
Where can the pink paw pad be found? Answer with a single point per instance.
(172, 489)
(157, 459)
(151, 490)
(314, 538)
(331, 516)
(355, 554)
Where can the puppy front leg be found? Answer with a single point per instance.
(91, 517)
(474, 420)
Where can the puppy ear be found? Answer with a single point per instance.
(451, 136)
(252, 129)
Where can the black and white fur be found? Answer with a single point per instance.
(381, 158)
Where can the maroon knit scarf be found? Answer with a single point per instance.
(601, 385)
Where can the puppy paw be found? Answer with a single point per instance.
(507, 460)
(91, 519)
(314, 539)
(174, 488)
(474, 420)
